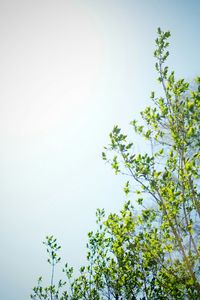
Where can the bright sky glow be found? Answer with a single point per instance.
(70, 70)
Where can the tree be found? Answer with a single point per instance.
(151, 248)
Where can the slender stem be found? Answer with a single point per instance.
(52, 279)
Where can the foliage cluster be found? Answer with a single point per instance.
(150, 249)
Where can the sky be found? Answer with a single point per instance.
(71, 70)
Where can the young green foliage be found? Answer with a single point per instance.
(152, 252)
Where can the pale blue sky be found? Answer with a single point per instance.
(69, 71)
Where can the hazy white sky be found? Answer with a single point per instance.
(69, 71)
